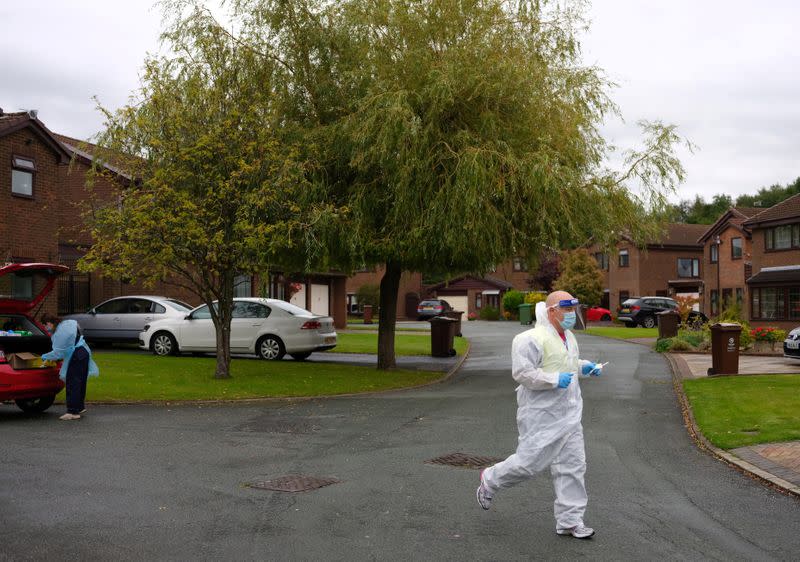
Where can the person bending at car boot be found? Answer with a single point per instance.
(544, 362)
(69, 346)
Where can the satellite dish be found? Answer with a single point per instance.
(32, 113)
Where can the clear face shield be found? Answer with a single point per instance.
(569, 313)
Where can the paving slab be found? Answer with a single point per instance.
(697, 364)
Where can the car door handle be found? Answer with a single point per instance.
(148, 318)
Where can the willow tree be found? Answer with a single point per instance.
(458, 133)
(216, 193)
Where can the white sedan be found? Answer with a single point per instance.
(270, 328)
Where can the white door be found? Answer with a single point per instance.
(319, 300)
(199, 332)
(458, 303)
(299, 298)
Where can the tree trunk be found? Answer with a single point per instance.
(223, 328)
(390, 285)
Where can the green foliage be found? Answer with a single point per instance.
(697, 211)
(369, 294)
(490, 313)
(534, 297)
(456, 133)
(580, 276)
(511, 301)
(663, 345)
(215, 191)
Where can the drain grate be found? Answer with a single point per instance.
(293, 483)
(464, 460)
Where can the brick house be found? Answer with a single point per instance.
(727, 253)
(774, 285)
(470, 293)
(42, 186)
(669, 267)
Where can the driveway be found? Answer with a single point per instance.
(142, 482)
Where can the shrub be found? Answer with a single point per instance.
(506, 315)
(679, 344)
(768, 334)
(663, 345)
(472, 316)
(533, 298)
(511, 301)
(695, 339)
(369, 294)
(490, 313)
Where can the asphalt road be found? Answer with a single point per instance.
(162, 483)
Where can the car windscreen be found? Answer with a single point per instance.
(178, 305)
(430, 303)
(291, 309)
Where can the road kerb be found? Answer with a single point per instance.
(704, 444)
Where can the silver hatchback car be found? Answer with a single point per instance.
(122, 318)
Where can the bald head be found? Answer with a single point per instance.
(556, 296)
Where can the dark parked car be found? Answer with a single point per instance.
(432, 307)
(641, 311)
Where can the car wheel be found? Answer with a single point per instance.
(270, 348)
(35, 405)
(163, 343)
(649, 322)
(301, 356)
(605, 318)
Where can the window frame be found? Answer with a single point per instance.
(714, 253)
(519, 265)
(741, 248)
(602, 260)
(781, 296)
(624, 253)
(15, 167)
(694, 268)
(794, 238)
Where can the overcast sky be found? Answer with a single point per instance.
(726, 72)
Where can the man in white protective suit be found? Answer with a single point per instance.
(545, 363)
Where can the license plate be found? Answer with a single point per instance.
(330, 339)
(625, 310)
(792, 344)
(427, 308)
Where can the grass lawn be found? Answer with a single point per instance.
(374, 327)
(622, 333)
(404, 344)
(746, 410)
(138, 376)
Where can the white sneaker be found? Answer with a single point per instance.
(484, 496)
(579, 532)
(68, 417)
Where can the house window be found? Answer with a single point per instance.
(623, 258)
(736, 248)
(739, 296)
(783, 237)
(602, 260)
(794, 303)
(520, 264)
(714, 302)
(769, 303)
(727, 297)
(22, 176)
(478, 300)
(688, 267)
(242, 286)
(714, 253)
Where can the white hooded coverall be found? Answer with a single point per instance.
(548, 419)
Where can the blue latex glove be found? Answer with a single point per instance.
(588, 368)
(564, 379)
(597, 371)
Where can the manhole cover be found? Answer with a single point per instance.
(293, 483)
(465, 460)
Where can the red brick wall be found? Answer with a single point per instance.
(623, 278)
(519, 279)
(731, 272)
